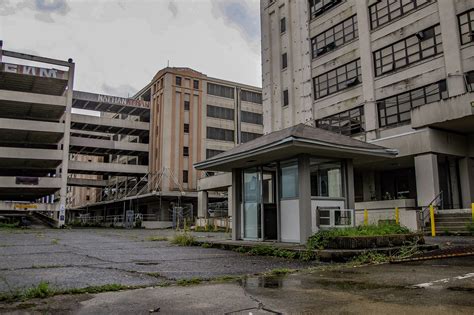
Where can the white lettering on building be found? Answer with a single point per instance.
(11, 68)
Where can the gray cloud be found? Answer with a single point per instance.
(124, 90)
(173, 8)
(237, 13)
(43, 8)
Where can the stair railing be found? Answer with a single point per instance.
(424, 213)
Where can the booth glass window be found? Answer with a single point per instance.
(326, 178)
(289, 180)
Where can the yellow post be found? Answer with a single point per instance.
(432, 219)
(472, 209)
(366, 217)
(397, 216)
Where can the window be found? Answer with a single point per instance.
(220, 90)
(397, 109)
(251, 118)
(282, 25)
(385, 11)
(348, 123)
(185, 151)
(186, 128)
(88, 197)
(248, 136)
(422, 45)
(220, 134)
(211, 153)
(196, 84)
(326, 178)
(338, 79)
(284, 61)
(289, 180)
(286, 99)
(318, 7)
(470, 81)
(253, 97)
(466, 26)
(220, 112)
(186, 105)
(178, 80)
(334, 37)
(185, 176)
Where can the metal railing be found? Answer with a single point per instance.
(424, 213)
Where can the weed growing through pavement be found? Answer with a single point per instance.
(183, 239)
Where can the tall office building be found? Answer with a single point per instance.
(396, 73)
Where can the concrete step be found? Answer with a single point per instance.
(454, 224)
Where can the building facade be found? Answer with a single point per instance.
(398, 74)
(195, 117)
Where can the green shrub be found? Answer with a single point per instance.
(262, 250)
(206, 245)
(321, 239)
(183, 239)
(470, 228)
(240, 249)
(284, 253)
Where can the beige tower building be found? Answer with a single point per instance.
(395, 73)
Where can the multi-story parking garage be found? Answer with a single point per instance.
(43, 141)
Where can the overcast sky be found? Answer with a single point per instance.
(118, 46)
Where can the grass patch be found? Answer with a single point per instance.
(206, 245)
(282, 271)
(97, 289)
(227, 278)
(153, 274)
(321, 239)
(157, 238)
(55, 241)
(188, 282)
(183, 239)
(9, 225)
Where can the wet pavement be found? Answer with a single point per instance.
(430, 287)
(91, 257)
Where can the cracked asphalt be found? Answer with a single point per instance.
(80, 258)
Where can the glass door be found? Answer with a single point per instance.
(252, 204)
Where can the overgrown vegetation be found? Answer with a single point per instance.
(9, 225)
(183, 239)
(321, 239)
(188, 282)
(370, 257)
(470, 228)
(157, 238)
(282, 271)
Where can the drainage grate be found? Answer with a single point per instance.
(450, 252)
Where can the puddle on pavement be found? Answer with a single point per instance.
(270, 282)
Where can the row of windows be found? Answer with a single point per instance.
(340, 78)
(422, 45)
(179, 80)
(220, 90)
(385, 11)
(220, 134)
(335, 36)
(211, 153)
(466, 26)
(396, 109)
(248, 136)
(220, 112)
(253, 97)
(348, 123)
(252, 118)
(318, 7)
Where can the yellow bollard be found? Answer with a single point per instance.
(472, 206)
(397, 216)
(432, 219)
(366, 217)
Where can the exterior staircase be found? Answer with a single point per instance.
(454, 223)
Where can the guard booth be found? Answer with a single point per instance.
(288, 184)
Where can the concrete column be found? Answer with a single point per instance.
(202, 204)
(349, 184)
(229, 201)
(367, 66)
(451, 47)
(466, 179)
(427, 178)
(304, 181)
(236, 205)
(66, 140)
